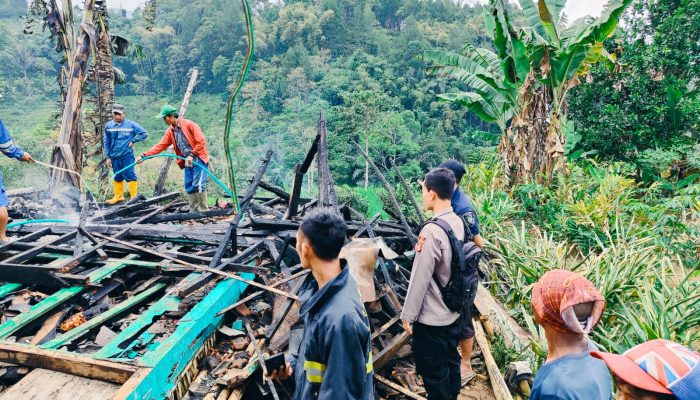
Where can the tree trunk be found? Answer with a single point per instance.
(68, 153)
(533, 147)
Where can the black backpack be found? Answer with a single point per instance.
(465, 263)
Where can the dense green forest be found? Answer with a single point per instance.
(626, 212)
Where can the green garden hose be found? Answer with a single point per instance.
(231, 101)
(38, 221)
(203, 167)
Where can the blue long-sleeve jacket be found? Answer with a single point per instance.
(7, 147)
(463, 207)
(334, 361)
(118, 136)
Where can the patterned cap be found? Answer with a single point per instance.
(555, 295)
(659, 366)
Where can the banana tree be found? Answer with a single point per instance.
(523, 86)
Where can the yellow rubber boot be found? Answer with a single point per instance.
(133, 188)
(118, 194)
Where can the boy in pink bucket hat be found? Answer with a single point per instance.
(655, 370)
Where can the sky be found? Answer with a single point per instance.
(574, 8)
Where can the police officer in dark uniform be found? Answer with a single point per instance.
(462, 206)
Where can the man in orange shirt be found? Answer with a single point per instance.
(187, 139)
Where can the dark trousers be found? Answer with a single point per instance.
(437, 359)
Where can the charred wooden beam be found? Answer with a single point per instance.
(368, 227)
(26, 239)
(260, 359)
(390, 192)
(34, 275)
(245, 256)
(390, 351)
(126, 209)
(74, 261)
(255, 182)
(299, 172)
(38, 249)
(264, 210)
(190, 215)
(260, 293)
(408, 191)
(275, 190)
(326, 185)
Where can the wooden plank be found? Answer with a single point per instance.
(398, 388)
(42, 384)
(9, 288)
(95, 322)
(47, 328)
(498, 384)
(117, 346)
(390, 351)
(49, 303)
(125, 390)
(62, 361)
(386, 326)
(409, 192)
(172, 355)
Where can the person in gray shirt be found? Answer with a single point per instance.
(434, 326)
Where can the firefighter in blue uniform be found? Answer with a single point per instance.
(462, 206)
(8, 148)
(120, 134)
(334, 360)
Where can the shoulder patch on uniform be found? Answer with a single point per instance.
(420, 244)
(470, 218)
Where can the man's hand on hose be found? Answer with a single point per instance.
(139, 159)
(189, 162)
(108, 163)
(26, 158)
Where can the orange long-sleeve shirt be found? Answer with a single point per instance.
(193, 134)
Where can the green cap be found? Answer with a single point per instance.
(166, 110)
